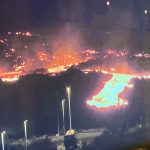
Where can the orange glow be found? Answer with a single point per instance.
(61, 61)
(30, 53)
(14, 79)
(121, 68)
(61, 58)
(54, 64)
(57, 69)
(10, 76)
(42, 56)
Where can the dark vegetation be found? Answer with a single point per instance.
(37, 97)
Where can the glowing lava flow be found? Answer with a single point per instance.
(109, 96)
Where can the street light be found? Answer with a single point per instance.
(68, 93)
(108, 3)
(25, 132)
(140, 122)
(3, 140)
(146, 11)
(58, 131)
(63, 110)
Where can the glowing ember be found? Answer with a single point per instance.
(14, 79)
(143, 54)
(42, 56)
(109, 96)
(23, 33)
(10, 76)
(116, 53)
(53, 64)
(55, 70)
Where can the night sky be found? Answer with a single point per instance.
(20, 14)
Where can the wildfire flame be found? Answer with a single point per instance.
(63, 56)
